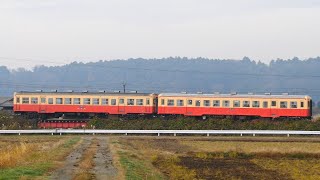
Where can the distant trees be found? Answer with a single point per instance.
(173, 74)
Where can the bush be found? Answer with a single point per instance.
(187, 123)
(10, 121)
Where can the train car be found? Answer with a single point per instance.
(245, 105)
(84, 103)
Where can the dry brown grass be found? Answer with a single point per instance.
(169, 165)
(17, 150)
(31, 157)
(296, 168)
(114, 148)
(14, 154)
(254, 147)
(86, 163)
(131, 161)
(232, 157)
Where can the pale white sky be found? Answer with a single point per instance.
(54, 32)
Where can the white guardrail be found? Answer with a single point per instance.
(159, 132)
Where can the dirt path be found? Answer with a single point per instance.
(66, 171)
(102, 169)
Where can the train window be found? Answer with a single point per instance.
(105, 101)
(18, 100)
(265, 104)
(58, 100)
(67, 100)
(189, 102)
(130, 101)
(283, 104)
(34, 100)
(148, 101)
(308, 104)
(273, 103)
(301, 104)
(96, 101)
(226, 103)
(236, 103)
(25, 100)
(293, 104)
(246, 104)
(113, 102)
(170, 102)
(50, 100)
(255, 104)
(197, 102)
(206, 103)
(76, 100)
(162, 101)
(43, 100)
(139, 102)
(121, 101)
(86, 100)
(180, 102)
(216, 103)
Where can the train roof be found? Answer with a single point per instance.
(234, 95)
(84, 93)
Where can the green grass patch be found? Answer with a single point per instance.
(38, 163)
(136, 169)
(69, 143)
(25, 171)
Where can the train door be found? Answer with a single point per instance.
(148, 105)
(43, 104)
(189, 104)
(121, 106)
(274, 104)
(17, 103)
(155, 105)
(266, 105)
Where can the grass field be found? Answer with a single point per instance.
(30, 157)
(151, 157)
(218, 157)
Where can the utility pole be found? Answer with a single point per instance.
(124, 86)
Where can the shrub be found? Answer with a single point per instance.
(187, 123)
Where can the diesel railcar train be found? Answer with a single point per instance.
(59, 104)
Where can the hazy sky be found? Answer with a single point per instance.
(60, 31)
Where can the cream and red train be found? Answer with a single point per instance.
(236, 105)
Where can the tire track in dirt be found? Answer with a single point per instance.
(103, 168)
(70, 166)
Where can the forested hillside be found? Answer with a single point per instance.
(171, 75)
